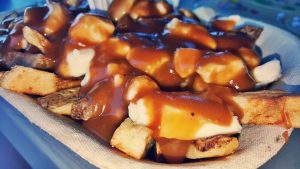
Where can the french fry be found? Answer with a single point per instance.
(36, 39)
(34, 60)
(133, 139)
(32, 81)
(269, 107)
(218, 146)
(60, 102)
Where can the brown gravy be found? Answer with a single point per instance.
(173, 150)
(146, 51)
(232, 40)
(198, 107)
(110, 109)
(203, 108)
(224, 25)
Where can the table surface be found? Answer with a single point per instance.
(25, 145)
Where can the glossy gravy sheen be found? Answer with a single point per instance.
(173, 150)
(110, 109)
(105, 93)
(146, 50)
(198, 108)
(240, 81)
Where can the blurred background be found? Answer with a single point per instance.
(282, 13)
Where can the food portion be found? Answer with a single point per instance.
(146, 77)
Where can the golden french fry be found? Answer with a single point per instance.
(60, 102)
(32, 81)
(269, 107)
(133, 139)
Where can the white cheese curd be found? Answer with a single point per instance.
(172, 24)
(161, 8)
(205, 14)
(132, 92)
(86, 78)
(79, 61)
(118, 80)
(138, 112)
(210, 129)
(267, 73)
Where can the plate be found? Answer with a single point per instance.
(257, 143)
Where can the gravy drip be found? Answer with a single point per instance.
(105, 94)
(110, 109)
(173, 150)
